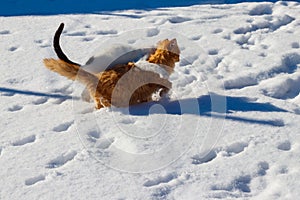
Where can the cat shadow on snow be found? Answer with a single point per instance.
(211, 105)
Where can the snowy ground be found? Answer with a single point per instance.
(229, 131)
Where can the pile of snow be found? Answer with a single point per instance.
(115, 54)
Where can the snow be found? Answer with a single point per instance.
(155, 68)
(107, 58)
(229, 128)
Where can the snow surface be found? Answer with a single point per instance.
(229, 130)
(108, 58)
(151, 67)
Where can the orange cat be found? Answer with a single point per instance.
(124, 84)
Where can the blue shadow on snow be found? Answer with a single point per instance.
(54, 7)
(10, 92)
(212, 105)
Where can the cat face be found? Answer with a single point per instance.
(169, 45)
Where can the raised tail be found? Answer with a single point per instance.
(63, 68)
(71, 71)
(57, 47)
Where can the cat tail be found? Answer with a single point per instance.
(60, 54)
(72, 71)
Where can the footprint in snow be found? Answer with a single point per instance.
(178, 19)
(283, 170)
(63, 127)
(161, 193)
(26, 140)
(284, 146)
(38, 41)
(132, 41)
(241, 184)
(59, 101)
(218, 30)
(213, 52)
(158, 22)
(94, 134)
(263, 168)
(235, 149)
(76, 34)
(284, 87)
(34, 180)
(162, 179)
(227, 37)
(295, 45)
(163, 185)
(88, 39)
(196, 37)
(13, 48)
(152, 32)
(61, 160)
(106, 32)
(40, 101)
(15, 108)
(42, 43)
(105, 143)
(231, 150)
(199, 159)
(264, 46)
(262, 54)
(7, 94)
(4, 32)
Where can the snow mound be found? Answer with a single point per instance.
(261, 9)
(146, 66)
(282, 87)
(107, 58)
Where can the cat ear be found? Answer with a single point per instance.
(162, 44)
(173, 43)
(165, 41)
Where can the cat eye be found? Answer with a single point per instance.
(173, 43)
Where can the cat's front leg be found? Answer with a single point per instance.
(163, 91)
(98, 103)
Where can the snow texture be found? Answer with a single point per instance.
(229, 128)
(151, 67)
(115, 54)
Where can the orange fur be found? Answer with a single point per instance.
(125, 84)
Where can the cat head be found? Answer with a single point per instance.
(166, 53)
(170, 46)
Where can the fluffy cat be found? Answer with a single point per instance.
(123, 84)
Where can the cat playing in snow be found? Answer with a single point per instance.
(120, 84)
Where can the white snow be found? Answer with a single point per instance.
(108, 58)
(151, 67)
(229, 129)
